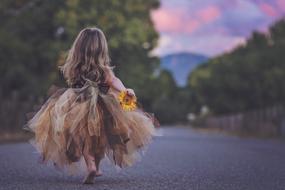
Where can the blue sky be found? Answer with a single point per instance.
(211, 27)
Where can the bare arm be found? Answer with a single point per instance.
(117, 84)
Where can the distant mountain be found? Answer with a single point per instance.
(181, 64)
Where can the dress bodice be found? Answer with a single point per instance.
(81, 80)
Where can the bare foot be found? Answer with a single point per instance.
(89, 179)
(99, 173)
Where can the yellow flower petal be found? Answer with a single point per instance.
(128, 103)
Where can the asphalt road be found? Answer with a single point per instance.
(181, 159)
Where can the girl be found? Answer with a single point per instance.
(86, 119)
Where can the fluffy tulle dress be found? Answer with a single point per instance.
(88, 115)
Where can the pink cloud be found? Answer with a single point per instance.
(173, 21)
(162, 18)
(268, 9)
(209, 14)
(281, 5)
(179, 20)
(191, 26)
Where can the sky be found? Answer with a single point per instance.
(211, 27)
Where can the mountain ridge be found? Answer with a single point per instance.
(181, 64)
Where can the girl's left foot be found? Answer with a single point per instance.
(99, 173)
(89, 179)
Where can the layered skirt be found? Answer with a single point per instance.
(74, 120)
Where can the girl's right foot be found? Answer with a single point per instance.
(91, 168)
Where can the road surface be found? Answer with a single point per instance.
(181, 159)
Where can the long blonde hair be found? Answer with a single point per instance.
(89, 53)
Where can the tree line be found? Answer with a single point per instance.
(250, 77)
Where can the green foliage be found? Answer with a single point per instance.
(250, 77)
(171, 104)
(26, 49)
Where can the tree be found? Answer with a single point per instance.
(250, 77)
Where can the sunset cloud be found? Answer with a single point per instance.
(212, 44)
(208, 14)
(281, 5)
(268, 9)
(211, 27)
(182, 20)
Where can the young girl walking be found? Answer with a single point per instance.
(96, 116)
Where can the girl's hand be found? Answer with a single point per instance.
(131, 92)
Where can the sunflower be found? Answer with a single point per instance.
(128, 102)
